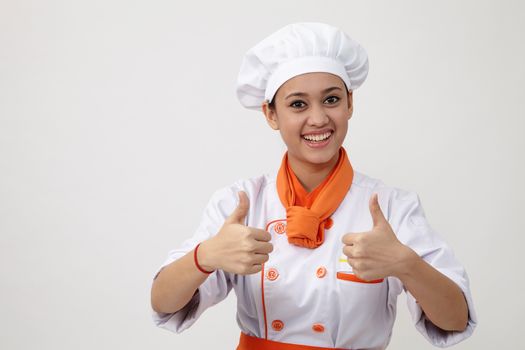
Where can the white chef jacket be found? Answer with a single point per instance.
(300, 286)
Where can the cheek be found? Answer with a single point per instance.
(289, 135)
(342, 122)
(290, 127)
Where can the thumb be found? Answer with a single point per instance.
(240, 212)
(375, 210)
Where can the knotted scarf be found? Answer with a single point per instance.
(308, 214)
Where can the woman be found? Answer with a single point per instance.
(317, 254)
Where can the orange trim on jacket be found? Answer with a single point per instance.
(351, 277)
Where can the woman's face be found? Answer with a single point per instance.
(311, 111)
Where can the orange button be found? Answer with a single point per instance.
(321, 272)
(280, 227)
(277, 325)
(317, 327)
(328, 223)
(272, 274)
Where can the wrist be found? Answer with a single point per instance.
(407, 263)
(203, 260)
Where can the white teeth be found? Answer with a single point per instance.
(318, 137)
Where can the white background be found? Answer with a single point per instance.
(118, 120)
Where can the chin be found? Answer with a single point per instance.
(320, 157)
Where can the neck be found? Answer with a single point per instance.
(309, 174)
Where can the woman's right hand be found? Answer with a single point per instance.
(237, 248)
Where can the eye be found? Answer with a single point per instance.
(331, 100)
(297, 104)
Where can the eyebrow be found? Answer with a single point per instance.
(325, 91)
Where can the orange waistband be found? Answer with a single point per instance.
(247, 342)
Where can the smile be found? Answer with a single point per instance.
(317, 137)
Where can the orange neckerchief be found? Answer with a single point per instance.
(308, 214)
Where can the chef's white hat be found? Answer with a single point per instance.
(297, 49)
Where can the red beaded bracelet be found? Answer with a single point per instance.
(197, 262)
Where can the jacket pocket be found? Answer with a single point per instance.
(345, 273)
(349, 276)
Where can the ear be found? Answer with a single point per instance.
(350, 104)
(271, 115)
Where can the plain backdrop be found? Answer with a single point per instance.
(118, 120)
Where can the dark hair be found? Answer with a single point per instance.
(272, 103)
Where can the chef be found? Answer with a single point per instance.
(317, 253)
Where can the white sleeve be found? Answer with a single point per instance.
(410, 224)
(217, 286)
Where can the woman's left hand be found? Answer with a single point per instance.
(377, 253)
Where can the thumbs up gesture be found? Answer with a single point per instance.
(237, 248)
(377, 253)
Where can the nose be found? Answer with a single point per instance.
(317, 116)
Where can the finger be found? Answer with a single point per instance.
(263, 247)
(353, 252)
(260, 235)
(253, 269)
(375, 210)
(348, 239)
(239, 214)
(351, 262)
(347, 250)
(357, 264)
(352, 238)
(259, 259)
(368, 275)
